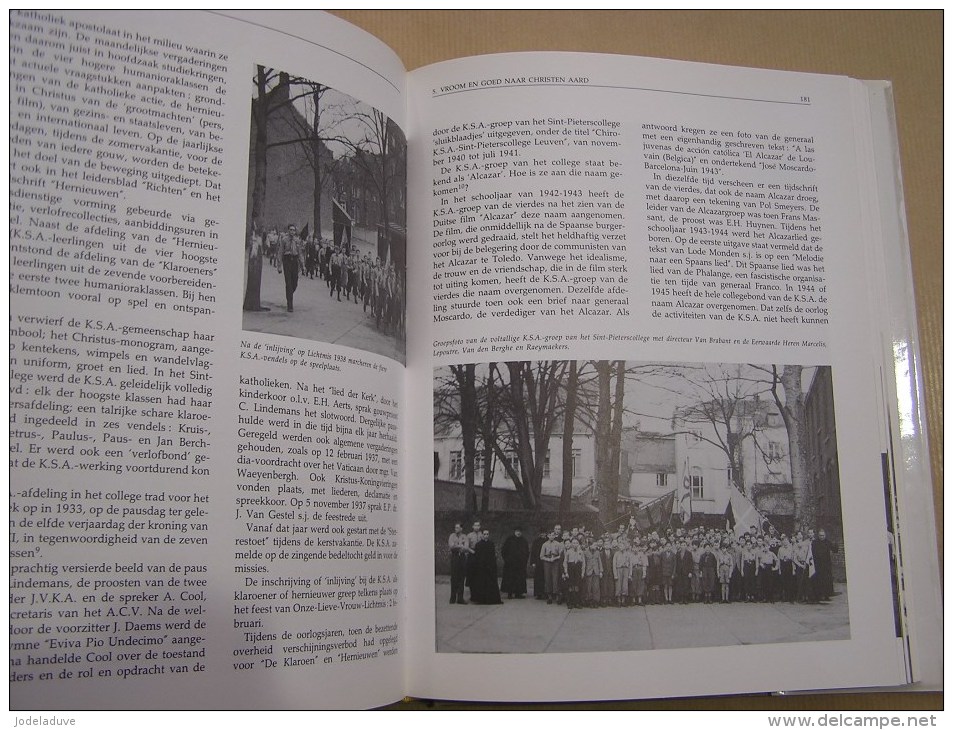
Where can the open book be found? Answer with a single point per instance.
(287, 322)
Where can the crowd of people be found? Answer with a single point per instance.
(632, 568)
(360, 279)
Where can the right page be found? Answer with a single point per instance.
(657, 414)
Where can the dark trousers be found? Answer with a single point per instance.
(551, 574)
(458, 574)
(751, 580)
(788, 584)
(289, 264)
(766, 579)
(805, 587)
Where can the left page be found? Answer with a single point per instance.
(206, 356)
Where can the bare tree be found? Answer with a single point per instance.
(275, 91)
(615, 441)
(727, 405)
(792, 413)
(313, 138)
(608, 434)
(489, 425)
(381, 154)
(528, 419)
(253, 250)
(466, 383)
(569, 424)
(468, 400)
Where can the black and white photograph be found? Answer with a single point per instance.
(326, 226)
(613, 505)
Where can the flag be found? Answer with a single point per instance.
(685, 498)
(740, 513)
(729, 518)
(304, 233)
(652, 514)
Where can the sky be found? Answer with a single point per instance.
(654, 390)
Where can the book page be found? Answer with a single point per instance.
(207, 338)
(656, 434)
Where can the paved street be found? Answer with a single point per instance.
(528, 626)
(317, 316)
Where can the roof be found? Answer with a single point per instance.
(649, 452)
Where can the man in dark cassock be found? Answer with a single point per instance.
(667, 555)
(653, 573)
(484, 588)
(708, 567)
(684, 568)
(515, 553)
(823, 579)
(473, 537)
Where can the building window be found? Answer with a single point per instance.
(478, 465)
(775, 451)
(456, 464)
(514, 461)
(697, 483)
(576, 462)
(546, 465)
(661, 479)
(731, 475)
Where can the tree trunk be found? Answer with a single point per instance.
(254, 252)
(466, 378)
(733, 442)
(316, 153)
(565, 497)
(615, 444)
(804, 504)
(523, 445)
(385, 182)
(488, 436)
(487, 479)
(604, 482)
(792, 413)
